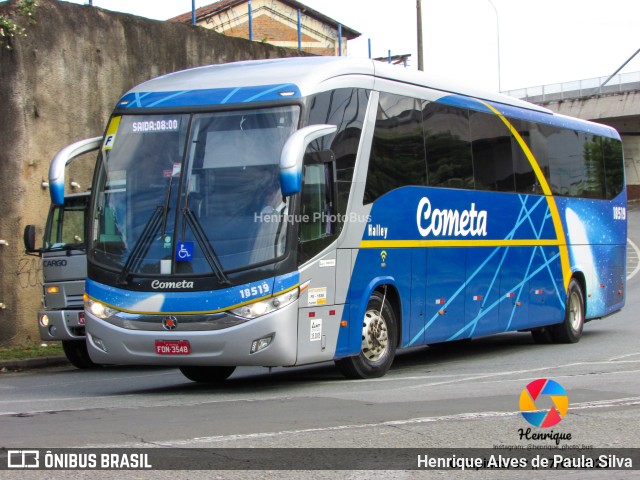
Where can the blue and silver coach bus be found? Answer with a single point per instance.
(294, 211)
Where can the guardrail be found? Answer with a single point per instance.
(623, 82)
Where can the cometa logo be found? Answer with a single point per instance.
(157, 284)
(535, 395)
(449, 222)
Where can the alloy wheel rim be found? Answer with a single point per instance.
(375, 336)
(575, 311)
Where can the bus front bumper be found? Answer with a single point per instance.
(111, 344)
(61, 325)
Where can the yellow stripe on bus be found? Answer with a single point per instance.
(456, 243)
(553, 208)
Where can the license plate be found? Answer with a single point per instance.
(81, 318)
(173, 347)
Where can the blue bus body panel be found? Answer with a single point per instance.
(505, 275)
(598, 245)
(163, 302)
(205, 97)
(462, 280)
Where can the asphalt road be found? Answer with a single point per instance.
(457, 396)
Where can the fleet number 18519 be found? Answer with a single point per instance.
(619, 213)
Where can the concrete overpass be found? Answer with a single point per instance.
(616, 104)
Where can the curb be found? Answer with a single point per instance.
(29, 363)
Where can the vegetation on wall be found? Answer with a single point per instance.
(9, 28)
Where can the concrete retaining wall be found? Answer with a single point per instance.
(58, 85)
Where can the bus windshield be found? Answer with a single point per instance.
(192, 194)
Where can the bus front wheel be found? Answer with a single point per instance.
(207, 374)
(77, 353)
(379, 341)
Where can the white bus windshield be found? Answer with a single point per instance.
(220, 201)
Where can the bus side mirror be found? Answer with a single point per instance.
(60, 161)
(293, 153)
(29, 239)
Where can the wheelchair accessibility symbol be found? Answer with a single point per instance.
(184, 251)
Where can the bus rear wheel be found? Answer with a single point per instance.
(570, 330)
(207, 374)
(379, 341)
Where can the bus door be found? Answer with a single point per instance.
(444, 312)
(482, 294)
(546, 291)
(414, 335)
(514, 289)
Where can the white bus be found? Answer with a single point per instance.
(294, 211)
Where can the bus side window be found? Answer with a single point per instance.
(613, 166)
(536, 138)
(491, 153)
(565, 159)
(525, 177)
(593, 184)
(448, 146)
(318, 212)
(345, 108)
(397, 156)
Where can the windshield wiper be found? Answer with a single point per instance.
(142, 245)
(167, 199)
(203, 241)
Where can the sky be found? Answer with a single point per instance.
(540, 42)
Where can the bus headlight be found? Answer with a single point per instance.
(98, 309)
(258, 309)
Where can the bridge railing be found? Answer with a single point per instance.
(623, 82)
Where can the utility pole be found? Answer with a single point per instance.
(498, 43)
(420, 53)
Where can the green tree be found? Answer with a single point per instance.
(9, 28)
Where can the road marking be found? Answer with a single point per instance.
(624, 356)
(447, 380)
(637, 252)
(618, 402)
(479, 376)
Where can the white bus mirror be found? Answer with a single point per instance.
(293, 153)
(60, 161)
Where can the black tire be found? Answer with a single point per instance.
(77, 353)
(570, 330)
(379, 342)
(207, 374)
(542, 336)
